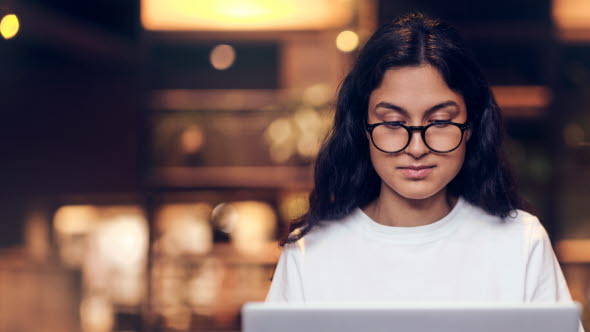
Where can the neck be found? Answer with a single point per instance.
(392, 209)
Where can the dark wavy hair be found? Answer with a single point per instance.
(344, 175)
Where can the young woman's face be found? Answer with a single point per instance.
(416, 96)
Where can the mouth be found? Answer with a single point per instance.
(416, 172)
(417, 166)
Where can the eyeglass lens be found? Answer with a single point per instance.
(393, 138)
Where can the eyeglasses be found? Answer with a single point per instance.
(439, 136)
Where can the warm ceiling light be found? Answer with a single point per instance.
(9, 26)
(215, 15)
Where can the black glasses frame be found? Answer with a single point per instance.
(411, 129)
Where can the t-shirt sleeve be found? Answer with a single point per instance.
(287, 284)
(544, 279)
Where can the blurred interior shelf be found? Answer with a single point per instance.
(265, 254)
(291, 177)
(515, 100)
(212, 99)
(522, 101)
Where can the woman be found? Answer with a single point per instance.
(413, 200)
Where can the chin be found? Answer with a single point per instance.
(416, 195)
(415, 192)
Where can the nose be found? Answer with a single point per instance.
(417, 148)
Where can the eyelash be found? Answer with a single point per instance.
(429, 121)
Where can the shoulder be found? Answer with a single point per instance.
(334, 228)
(523, 217)
(511, 239)
(332, 233)
(519, 223)
(515, 217)
(531, 225)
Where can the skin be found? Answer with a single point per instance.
(409, 94)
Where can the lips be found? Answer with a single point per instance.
(417, 167)
(416, 172)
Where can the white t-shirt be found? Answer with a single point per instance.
(469, 255)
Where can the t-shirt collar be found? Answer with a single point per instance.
(414, 234)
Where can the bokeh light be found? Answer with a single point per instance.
(123, 240)
(127, 289)
(73, 224)
(116, 255)
(75, 219)
(184, 229)
(204, 287)
(96, 314)
(222, 57)
(279, 131)
(282, 152)
(293, 205)
(281, 137)
(168, 284)
(317, 94)
(310, 126)
(9, 26)
(224, 217)
(192, 139)
(347, 41)
(255, 227)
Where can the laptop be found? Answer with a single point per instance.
(418, 317)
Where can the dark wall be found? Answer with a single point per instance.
(69, 115)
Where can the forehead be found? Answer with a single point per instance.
(414, 88)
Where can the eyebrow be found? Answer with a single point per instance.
(432, 109)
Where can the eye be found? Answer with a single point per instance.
(440, 123)
(393, 124)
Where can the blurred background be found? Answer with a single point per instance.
(153, 151)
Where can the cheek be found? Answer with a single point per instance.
(378, 158)
(383, 164)
(456, 161)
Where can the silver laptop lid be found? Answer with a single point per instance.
(412, 317)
